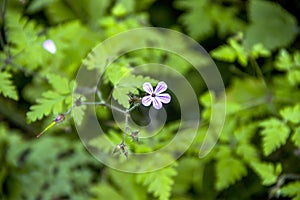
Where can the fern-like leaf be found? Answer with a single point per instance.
(291, 190)
(275, 134)
(7, 89)
(224, 53)
(52, 101)
(267, 171)
(229, 170)
(127, 84)
(291, 114)
(296, 136)
(159, 182)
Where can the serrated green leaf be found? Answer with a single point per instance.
(258, 50)
(241, 54)
(291, 190)
(291, 114)
(275, 134)
(248, 152)
(284, 60)
(50, 102)
(264, 29)
(196, 28)
(127, 185)
(7, 89)
(224, 53)
(60, 84)
(115, 72)
(105, 191)
(296, 136)
(27, 41)
(228, 171)
(78, 114)
(267, 172)
(159, 182)
(294, 77)
(127, 84)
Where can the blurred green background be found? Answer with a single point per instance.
(255, 44)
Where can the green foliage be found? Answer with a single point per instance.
(273, 128)
(290, 64)
(53, 101)
(65, 175)
(291, 114)
(228, 169)
(259, 143)
(267, 171)
(235, 51)
(7, 89)
(291, 190)
(128, 84)
(265, 29)
(296, 136)
(211, 15)
(159, 182)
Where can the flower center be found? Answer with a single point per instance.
(152, 95)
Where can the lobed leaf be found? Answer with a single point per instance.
(50, 102)
(224, 53)
(228, 171)
(60, 84)
(291, 114)
(129, 83)
(264, 29)
(291, 190)
(275, 134)
(159, 182)
(296, 136)
(267, 172)
(7, 89)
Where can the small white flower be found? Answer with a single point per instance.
(49, 46)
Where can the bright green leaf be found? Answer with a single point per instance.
(129, 83)
(294, 77)
(275, 134)
(7, 89)
(258, 50)
(291, 114)
(60, 84)
(267, 172)
(291, 190)
(296, 136)
(159, 182)
(224, 53)
(50, 102)
(284, 60)
(229, 170)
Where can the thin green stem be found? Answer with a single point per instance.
(126, 128)
(132, 108)
(258, 70)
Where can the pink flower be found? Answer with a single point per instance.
(156, 97)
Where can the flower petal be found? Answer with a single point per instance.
(161, 87)
(156, 103)
(165, 97)
(49, 46)
(148, 88)
(147, 100)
